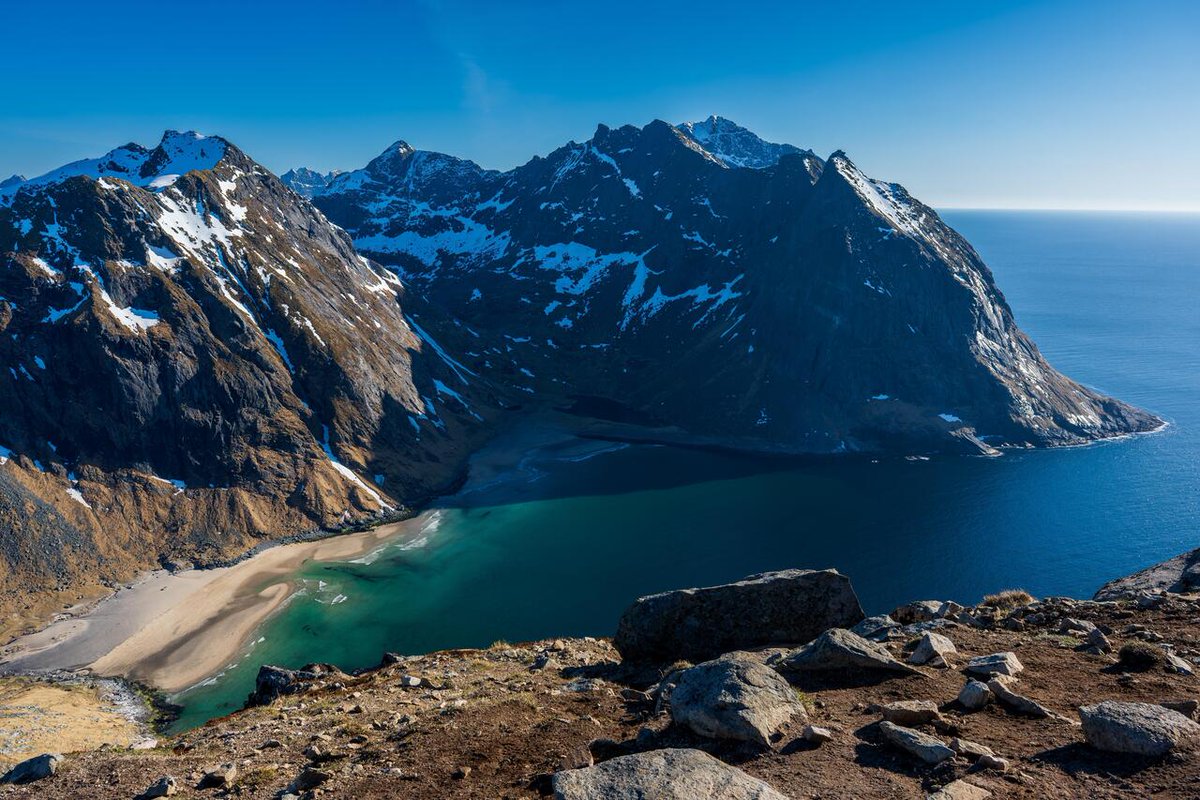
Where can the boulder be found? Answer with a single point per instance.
(699, 624)
(1180, 575)
(876, 628)
(815, 734)
(1137, 728)
(1189, 708)
(932, 649)
(960, 790)
(920, 611)
(995, 664)
(839, 649)
(274, 682)
(992, 762)
(911, 712)
(661, 775)
(166, 786)
(974, 695)
(1098, 641)
(929, 749)
(734, 698)
(1018, 702)
(33, 769)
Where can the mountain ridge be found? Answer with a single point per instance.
(199, 358)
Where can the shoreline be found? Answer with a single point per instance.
(170, 631)
(173, 630)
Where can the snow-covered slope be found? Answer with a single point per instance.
(750, 293)
(735, 145)
(192, 356)
(307, 182)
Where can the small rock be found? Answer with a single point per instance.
(1076, 627)
(911, 712)
(932, 649)
(1137, 728)
(1098, 640)
(33, 769)
(218, 777)
(995, 664)
(839, 649)
(960, 790)
(166, 786)
(918, 611)
(460, 773)
(1176, 664)
(928, 748)
(734, 698)
(815, 734)
(992, 762)
(875, 628)
(1018, 702)
(682, 774)
(974, 695)
(972, 751)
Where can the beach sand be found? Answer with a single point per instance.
(173, 630)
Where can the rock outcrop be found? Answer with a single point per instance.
(1179, 575)
(838, 649)
(784, 607)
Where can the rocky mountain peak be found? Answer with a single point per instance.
(735, 145)
(308, 182)
(12, 180)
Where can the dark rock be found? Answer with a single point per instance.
(33, 769)
(771, 608)
(274, 682)
(995, 664)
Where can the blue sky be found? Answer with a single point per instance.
(1010, 104)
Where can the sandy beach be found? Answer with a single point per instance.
(172, 630)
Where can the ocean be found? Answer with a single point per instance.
(559, 544)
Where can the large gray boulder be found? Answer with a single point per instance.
(1138, 728)
(661, 775)
(734, 698)
(1180, 574)
(839, 649)
(33, 769)
(784, 607)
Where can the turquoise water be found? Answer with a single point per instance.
(562, 544)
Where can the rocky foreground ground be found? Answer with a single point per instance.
(772, 687)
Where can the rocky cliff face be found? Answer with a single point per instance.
(194, 358)
(750, 294)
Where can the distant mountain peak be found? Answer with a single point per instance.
(12, 180)
(735, 145)
(308, 182)
(176, 154)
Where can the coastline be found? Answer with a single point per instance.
(172, 630)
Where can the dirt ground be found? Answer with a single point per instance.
(496, 723)
(37, 717)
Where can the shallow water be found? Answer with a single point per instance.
(561, 544)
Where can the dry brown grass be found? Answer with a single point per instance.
(1008, 599)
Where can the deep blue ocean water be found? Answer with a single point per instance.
(563, 545)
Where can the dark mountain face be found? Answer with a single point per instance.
(194, 357)
(793, 305)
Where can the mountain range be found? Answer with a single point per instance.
(199, 355)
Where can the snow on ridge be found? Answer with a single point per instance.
(176, 155)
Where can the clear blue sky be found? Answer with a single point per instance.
(1088, 104)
